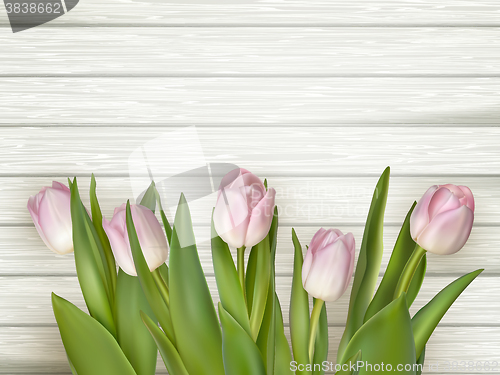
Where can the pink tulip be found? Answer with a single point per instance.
(442, 220)
(149, 231)
(328, 264)
(50, 211)
(244, 209)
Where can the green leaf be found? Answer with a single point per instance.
(416, 281)
(250, 278)
(166, 224)
(149, 198)
(299, 310)
(241, 355)
(402, 251)
(368, 266)
(420, 362)
(91, 348)
(133, 337)
(89, 257)
(386, 338)
(321, 345)
(228, 284)
(155, 300)
(261, 288)
(197, 328)
(283, 354)
(427, 318)
(169, 354)
(351, 369)
(110, 266)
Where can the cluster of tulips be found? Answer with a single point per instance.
(138, 305)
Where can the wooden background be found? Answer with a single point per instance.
(316, 96)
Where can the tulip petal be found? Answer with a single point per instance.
(329, 273)
(54, 217)
(60, 186)
(231, 217)
(448, 231)
(33, 210)
(420, 217)
(468, 194)
(443, 200)
(120, 247)
(261, 219)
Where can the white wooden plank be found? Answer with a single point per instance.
(26, 300)
(301, 201)
(22, 252)
(276, 12)
(252, 51)
(263, 101)
(39, 349)
(274, 151)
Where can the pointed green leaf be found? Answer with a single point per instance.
(402, 251)
(427, 318)
(386, 338)
(166, 224)
(155, 300)
(149, 198)
(133, 337)
(261, 288)
(91, 349)
(299, 310)
(228, 284)
(416, 281)
(283, 353)
(368, 266)
(349, 367)
(321, 345)
(110, 266)
(169, 354)
(241, 355)
(197, 328)
(89, 257)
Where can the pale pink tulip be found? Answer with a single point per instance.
(442, 220)
(149, 231)
(244, 209)
(51, 213)
(328, 264)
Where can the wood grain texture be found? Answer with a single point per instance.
(47, 353)
(287, 151)
(160, 101)
(276, 12)
(276, 51)
(27, 299)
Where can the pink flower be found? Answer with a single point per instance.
(149, 231)
(442, 220)
(51, 213)
(328, 264)
(244, 209)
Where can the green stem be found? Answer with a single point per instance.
(313, 331)
(241, 267)
(161, 285)
(409, 271)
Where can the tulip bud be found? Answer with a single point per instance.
(51, 214)
(442, 220)
(328, 264)
(244, 209)
(151, 238)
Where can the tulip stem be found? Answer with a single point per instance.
(313, 331)
(241, 268)
(161, 285)
(408, 272)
